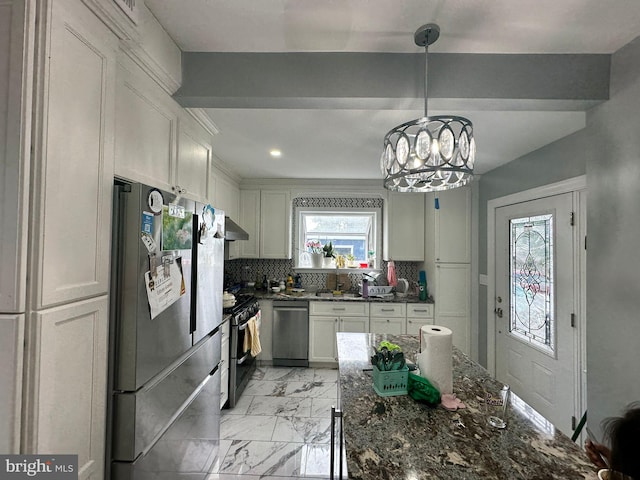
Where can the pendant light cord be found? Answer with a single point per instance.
(426, 78)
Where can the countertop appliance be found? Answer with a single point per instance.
(164, 339)
(290, 340)
(241, 364)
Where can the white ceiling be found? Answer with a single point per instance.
(347, 143)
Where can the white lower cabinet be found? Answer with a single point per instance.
(11, 357)
(68, 383)
(418, 314)
(328, 318)
(388, 318)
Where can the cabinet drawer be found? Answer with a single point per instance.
(388, 310)
(422, 310)
(340, 309)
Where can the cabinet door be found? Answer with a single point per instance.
(11, 355)
(452, 308)
(74, 158)
(227, 197)
(71, 379)
(322, 339)
(393, 326)
(354, 324)
(193, 160)
(145, 132)
(453, 226)
(15, 141)
(275, 224)
(414, 324)
(404, 232)
(250, 221)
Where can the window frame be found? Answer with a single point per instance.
(376, 224)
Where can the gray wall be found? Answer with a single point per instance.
(608, 151)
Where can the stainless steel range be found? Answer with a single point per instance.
(241, 363)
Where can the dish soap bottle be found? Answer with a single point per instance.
(365, 288)
(289, 284)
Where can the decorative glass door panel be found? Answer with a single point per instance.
(531, 280)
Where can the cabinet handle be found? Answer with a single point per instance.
(387, 309)
(388, 320)
(336, 309)
(420, 311)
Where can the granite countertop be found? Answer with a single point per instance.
(399, 438)
(337, 298)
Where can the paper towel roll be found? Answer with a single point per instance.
(435, 359)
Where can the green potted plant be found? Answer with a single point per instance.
(329, 254)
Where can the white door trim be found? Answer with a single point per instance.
(565, 186)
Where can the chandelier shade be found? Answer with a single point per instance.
(430, 153)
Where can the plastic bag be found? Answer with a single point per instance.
(421, 390)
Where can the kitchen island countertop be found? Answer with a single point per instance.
(399, 438)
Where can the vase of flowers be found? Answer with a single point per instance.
(314, 247)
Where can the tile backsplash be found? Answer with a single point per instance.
(254, 269)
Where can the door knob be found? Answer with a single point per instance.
(498, 312)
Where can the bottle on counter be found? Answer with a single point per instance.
(423, 285)
(289, 284)
(265, 283)
(365, 288)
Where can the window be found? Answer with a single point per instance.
(531, 285)
(351, 232)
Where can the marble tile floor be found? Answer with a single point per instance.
(280, 428)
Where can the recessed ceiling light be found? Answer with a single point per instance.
(275, 153)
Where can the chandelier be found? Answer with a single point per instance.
(430, 153)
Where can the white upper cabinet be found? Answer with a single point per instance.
(194, 159)
(74, 157)
(404, 227)
(146, 124)
(250, 221)
(266, 216)
(453, 226)
(275, 224)
(15, 141)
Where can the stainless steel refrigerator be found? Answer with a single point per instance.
(164, 351)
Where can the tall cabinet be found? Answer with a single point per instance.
(266, 216)
(73, 158)
(16, 58)
(448, 260)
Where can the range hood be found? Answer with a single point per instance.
(233, 231)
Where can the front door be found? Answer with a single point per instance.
(535, 340)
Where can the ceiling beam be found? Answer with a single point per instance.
(393, 80)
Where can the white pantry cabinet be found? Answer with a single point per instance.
(404, 227)
(328, 318)
(11, 358)
(266, 216)
(69, 382)
(16, 59)
(448, 257)
(452, 225)
(74, 157)
(453, 305)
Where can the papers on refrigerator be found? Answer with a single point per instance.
(165, 287)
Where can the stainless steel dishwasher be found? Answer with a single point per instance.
(290, 339)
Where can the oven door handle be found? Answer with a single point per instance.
(243, 326)
(242, 360)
